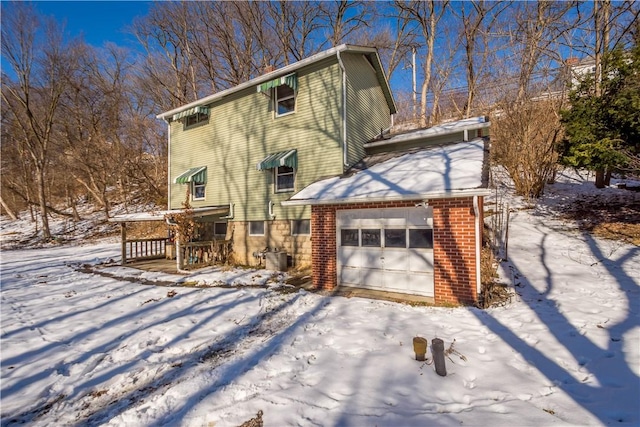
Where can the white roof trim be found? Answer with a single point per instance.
(288, 69)
(423, 197)
(160, 215)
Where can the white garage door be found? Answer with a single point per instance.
(386, 249)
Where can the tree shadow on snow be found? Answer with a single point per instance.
(613, 380)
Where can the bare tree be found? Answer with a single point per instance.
(524, 142)
(478, 18)
(33, 99)
(427, 15)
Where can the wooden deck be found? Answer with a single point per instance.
(156, 265)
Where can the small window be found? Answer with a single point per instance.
(421, 238)
(371, 238)
(256, 228)
(300, 227)
(198, 190)
(285, 179)
(196, 119)
(285, 100)
(349, 237)
(220, 229)
(395, 238)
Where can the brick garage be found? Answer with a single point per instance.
(454, 245)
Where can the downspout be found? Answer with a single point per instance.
(345, 159)
(168, 164)
(476, 210)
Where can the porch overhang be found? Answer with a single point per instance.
(161, 215)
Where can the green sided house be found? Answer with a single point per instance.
(243, 151)
(298, 167)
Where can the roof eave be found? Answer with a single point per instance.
(447, 194)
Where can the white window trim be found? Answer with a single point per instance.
(264, 227)
(276, 100)
(193, 190)
(275, 181)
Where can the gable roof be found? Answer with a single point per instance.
(450, 170)
(377, 65)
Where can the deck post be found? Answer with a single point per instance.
(123, 237)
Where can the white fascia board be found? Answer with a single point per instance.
(269, 76)
(404, 197)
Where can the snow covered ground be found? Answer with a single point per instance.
(81, 348)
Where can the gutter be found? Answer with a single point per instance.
(434, 195)
(345, 159)
(476, 210)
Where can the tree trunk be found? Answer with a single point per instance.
(607, 177)
(13, 215)
(42, 199)
(600, 178)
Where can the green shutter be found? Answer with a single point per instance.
(198, 174)
(283, 158)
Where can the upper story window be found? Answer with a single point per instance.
(285, 179)
(192, 117)
(197, 190)
(196, 119)
(285, 100)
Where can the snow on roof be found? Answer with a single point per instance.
(160, 215)
(438, 130)
(445, 170)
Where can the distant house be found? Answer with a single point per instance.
(300, 162)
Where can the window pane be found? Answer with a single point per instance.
(421, 238)
(286, 106)
(256, 228)
(371, 238)
(300, 227)
(198, 190)
(285, 178)
(349, 237)
(395, 238)
(286, 101)
(220, 228)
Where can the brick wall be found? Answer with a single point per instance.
(454, 246)
(277, 236)
(454, 251)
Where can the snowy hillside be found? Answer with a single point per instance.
(87, 349)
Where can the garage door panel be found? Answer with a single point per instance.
(372, 278)
(420, 260)
(421, 284)
(396, 259)
(350, 256)
(350, 276)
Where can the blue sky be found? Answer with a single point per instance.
(97, 21)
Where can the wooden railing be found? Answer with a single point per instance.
(200, 254)
(141, 249)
